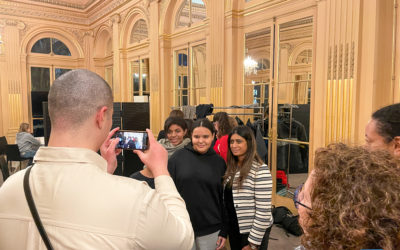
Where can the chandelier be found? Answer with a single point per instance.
(250, 66)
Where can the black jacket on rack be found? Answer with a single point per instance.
(292, 155)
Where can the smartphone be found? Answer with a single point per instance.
(132, 140)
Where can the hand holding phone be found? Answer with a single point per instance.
(155, 158)
(109, 151)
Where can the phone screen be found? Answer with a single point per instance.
(132, 140)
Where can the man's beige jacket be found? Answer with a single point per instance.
(84, 207)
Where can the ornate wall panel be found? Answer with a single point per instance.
(13, 109)
(343, 26)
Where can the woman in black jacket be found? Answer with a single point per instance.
(198, 171)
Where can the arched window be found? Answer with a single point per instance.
(191, 11)
(50, 46)
(43, 71)
(305, 57)
(139, 32)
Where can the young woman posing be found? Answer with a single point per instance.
(247, 193)
(176, 132)
(198, 171)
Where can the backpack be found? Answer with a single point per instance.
(287, 220)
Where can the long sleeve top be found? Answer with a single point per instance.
(198, 178)
(252, 202)
(83, 207)
(26, 142)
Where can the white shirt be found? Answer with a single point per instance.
(83, 207)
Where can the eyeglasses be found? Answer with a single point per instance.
(296, 198)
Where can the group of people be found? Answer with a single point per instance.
(202, 184)
(226, 187)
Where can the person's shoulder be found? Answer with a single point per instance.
(178, 154)
(13, 183)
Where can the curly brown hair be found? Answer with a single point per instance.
(355, 200)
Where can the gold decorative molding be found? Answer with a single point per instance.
(106, 10)
(154, 82)
(346, 61)
(352, 61)
(116, 18)
(20, 10)
(330, 63)
(335, 62)
(12, 22)
(216, 75)
(69, 4)
(340, 62)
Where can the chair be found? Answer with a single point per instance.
(3, 143)
(13, 154)
(4, 168)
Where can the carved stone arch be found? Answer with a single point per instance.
(103, 38)
(297, 50)
(101, 42)
(43, 32)
(131, 18)
(166, 26)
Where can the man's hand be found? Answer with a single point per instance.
(109, 152)
(220, 242)
(155, 158)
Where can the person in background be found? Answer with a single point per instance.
(189, 123)
(247, 193)
(176, 139)
(197, 172)
(27, 144)
(222, 127)
(383, 130)
(350, 200)
(80, 203)
(232, 121)
(173, 113)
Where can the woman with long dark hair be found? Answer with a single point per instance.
(198, 172)
(248, 192)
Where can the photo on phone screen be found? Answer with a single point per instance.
(132, 140)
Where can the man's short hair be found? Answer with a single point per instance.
(388, 121)
(77, 95)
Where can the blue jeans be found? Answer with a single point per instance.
(28, 154)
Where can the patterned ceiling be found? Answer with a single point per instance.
(76, 4)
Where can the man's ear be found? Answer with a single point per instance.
(101, 117)
(396, 144)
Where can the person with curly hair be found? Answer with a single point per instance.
(351, 200)
(383, 130)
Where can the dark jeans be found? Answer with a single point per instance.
(238, 240)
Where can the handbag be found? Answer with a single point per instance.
(34, 212)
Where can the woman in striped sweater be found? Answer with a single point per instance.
(247, 193)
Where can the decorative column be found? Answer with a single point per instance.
(233, 51)
(155, 96)
(11, 87)
(88, 40)
(216, 43)
(116, 20)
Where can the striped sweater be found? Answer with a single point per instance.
(252, 202)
